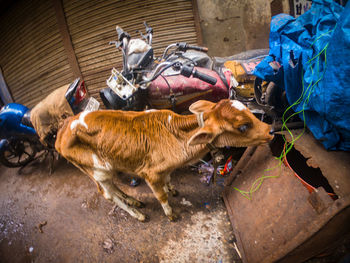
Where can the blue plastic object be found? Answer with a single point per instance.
(313, 51)
(10, 121)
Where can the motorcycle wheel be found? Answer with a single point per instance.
(19, 153)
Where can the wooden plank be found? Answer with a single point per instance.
(62, 25)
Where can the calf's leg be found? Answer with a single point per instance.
(170, 187)
(114, 194)
(159, 189)
(103, 175)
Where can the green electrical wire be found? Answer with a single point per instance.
(305, 97)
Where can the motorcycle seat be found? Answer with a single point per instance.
(26, 119)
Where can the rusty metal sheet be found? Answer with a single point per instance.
(335, 165)
(283, 221)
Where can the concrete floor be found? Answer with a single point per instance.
(62, 218)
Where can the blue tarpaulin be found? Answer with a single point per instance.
(314, 51)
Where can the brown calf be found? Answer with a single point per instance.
(152, 144)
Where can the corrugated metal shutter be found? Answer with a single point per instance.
(92, 25)
(32, 53)
(32, 57)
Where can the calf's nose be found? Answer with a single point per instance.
(271, 132)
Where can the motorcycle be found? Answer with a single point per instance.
(20, 142)
(182, 75)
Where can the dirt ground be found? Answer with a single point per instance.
(62, 218)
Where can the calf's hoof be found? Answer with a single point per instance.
(173, 217)
(137, 214)
(138, 204)
(143, 218)
(174, 192)
(130, 201)
(141, 205)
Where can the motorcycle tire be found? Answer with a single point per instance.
(19, 153)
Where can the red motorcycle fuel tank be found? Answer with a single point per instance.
(164, 91)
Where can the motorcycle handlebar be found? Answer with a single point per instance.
(187, 71)
(182, 46)
(202, 76)
(202, 49)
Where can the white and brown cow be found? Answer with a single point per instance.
(152, 144)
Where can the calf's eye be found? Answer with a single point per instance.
(243, 128)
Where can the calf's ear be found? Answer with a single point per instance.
(203, 136)
(201, 106)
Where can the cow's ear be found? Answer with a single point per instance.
(203, 136)
(201, 106)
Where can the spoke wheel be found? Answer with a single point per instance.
(19, 153)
